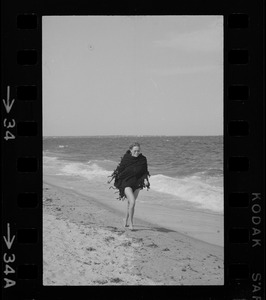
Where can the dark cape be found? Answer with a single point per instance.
(131, 171)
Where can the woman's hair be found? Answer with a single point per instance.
(133, 145)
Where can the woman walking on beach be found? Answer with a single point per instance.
(131, 175)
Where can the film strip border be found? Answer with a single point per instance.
(243, 199)
(22, 135)
(22, 157)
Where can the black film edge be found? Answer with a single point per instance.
(244, 149)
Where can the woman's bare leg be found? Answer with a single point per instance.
(131, 200)
(127, 214)
(136, 193)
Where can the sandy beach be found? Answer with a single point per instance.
(85, 243)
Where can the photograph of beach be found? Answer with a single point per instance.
(110, 82)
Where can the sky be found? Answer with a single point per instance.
(132, 75)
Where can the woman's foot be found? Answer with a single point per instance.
(125, 223)
(131, 227)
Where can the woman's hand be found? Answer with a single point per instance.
(146, 182)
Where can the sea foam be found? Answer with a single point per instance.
(191, 189)
(89, 171)
(194, 189)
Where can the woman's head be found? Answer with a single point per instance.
(135, 149)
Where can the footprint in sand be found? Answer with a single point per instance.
(152, 245)
(137, 240)
(109, 238)
(116, 280)
(100, 281)
(126, 244)
(91, 249)
(166, 249)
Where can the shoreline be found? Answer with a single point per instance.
(150, 255)
(200, 225)
(121, 214)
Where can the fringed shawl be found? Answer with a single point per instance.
(128, 168)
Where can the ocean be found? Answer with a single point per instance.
(186, 171)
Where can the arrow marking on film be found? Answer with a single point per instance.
(7, 240)
(6, 102)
